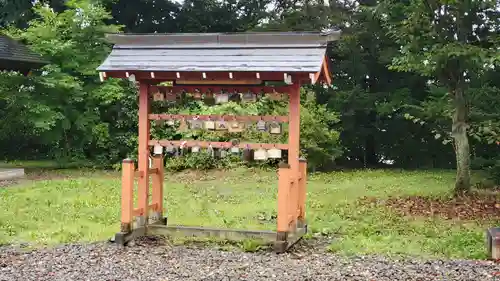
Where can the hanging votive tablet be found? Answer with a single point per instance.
(196, 124)
(274, 153)
(261, 125)
(170, 122)
(235, 150)
(183, 126)
(248, 97)
(221, 98)
(170, 96)
(158, 149)
(158, 96)
(170, 149)
(275, 96)
(197, 95)
(195, 149)
(223, 153)
(275, 128)
(234, 96)
(221, 125)
(260, 154)
(211, 151)
(236, 127)
(209, 125)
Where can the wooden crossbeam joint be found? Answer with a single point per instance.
(151, 171)
(140, 211)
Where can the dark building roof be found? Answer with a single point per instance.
(206, 52)
(16, 56)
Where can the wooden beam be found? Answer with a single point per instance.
(267, 118)
(152, 171)
(218, 82)
(140, 211)
(211, 76)
(178, 89)
(216, 144)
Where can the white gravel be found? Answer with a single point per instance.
(146, 261)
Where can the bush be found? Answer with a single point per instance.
(490, 166)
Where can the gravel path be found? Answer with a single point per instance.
(106, 262)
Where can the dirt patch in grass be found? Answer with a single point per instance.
(471, 207)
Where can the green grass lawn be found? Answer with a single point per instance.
(84, 206)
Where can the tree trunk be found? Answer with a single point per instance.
(462, 150)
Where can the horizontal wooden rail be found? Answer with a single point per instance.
(139, 211)
(214, 89)
(152, 171)
(270, 118)
(215, 144)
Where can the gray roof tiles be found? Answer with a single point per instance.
(14, 51)
(281, 52)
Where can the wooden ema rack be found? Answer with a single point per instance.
(149, 215)
(202, 64)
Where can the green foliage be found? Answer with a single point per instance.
(198, 161)
(373, 114)
(451, 43)
(71, 113)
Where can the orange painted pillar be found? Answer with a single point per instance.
(143, 157)
(283, 219)
(127, 208)
(294, 150)
(157, 187)
(301, 217)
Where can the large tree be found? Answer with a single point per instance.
(452, 43)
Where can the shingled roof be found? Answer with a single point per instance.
(212, 52)
(16, 56)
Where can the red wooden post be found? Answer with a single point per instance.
(157, 190)
(294, 149)
(294, 129)
(127, 207)
(302, 192)
(283, 219)
(143, 157)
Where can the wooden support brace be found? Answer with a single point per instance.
(302, 193)
(157, 189)
(152, 171)
(283, 219)
(127, 204)
(139, 211)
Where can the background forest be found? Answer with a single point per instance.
(416, 83)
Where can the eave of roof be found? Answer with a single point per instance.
(15, 52)
(212, 54)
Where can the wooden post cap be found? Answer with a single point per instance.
(128, 160)
(302, 159)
